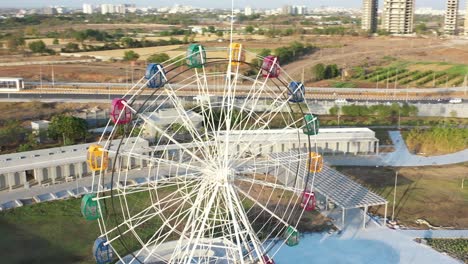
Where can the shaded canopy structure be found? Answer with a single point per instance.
(333, 185)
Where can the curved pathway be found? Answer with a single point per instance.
(401, 157)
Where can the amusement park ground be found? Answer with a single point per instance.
(69, 239)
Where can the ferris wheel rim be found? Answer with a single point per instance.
(170, 88)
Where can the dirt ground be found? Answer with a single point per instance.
(29, 111)
(346, 51)
(430, 193)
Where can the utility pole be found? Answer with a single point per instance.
(394, 196)
(465, 82)
(40, 75)
(53, 77)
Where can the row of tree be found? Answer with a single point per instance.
(325, 72)
(375, 110)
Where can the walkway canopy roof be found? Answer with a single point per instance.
(334, 185)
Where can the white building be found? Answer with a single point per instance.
(300, 10)
(107, 9)
(451, 17)
(330, 141)
(466, 19)
(121, 9)
(87, 9)
(398, 16)
(369, 15)
(248, 11)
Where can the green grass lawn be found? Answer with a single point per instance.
(457, 248)
(51, 232)
(432, 193)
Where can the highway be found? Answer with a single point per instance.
(99, 96)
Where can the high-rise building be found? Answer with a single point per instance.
(87, 9)
(466, 19)
(398, 16)
(107, 9)
(369, 15)
(300, 10)
(248, 11)
(121, 9)
(451, 17)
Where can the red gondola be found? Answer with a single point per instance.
(267, 260)
(270, 67)
(308, 201)
(120, 114)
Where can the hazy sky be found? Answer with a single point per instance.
(437, 4)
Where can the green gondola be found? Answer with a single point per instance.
(292, 236)
(89, 207)
(312, 124)
(196, 56)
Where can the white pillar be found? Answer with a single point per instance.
(342, 218)
(79, 170)
(52, 173)
(65, 171)
(10, 179)
(38, 175)
(385, 215)
(364, 218)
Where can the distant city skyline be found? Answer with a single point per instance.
(436, 4)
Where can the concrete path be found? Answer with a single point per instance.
(354, 245)
(435, 233)
(401, 157)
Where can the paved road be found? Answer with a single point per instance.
(246, 87)
(401, 157)
(435, 233)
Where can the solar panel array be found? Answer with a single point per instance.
(336, 186)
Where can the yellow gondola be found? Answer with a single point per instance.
(97, 158)
(315, 162)
(237, 54)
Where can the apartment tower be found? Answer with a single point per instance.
(466, 19)
(398, 16)
(369, 15)
(451, 15)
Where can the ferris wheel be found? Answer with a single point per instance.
(212, 184)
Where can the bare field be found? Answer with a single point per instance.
(345, 51)
(29, 111)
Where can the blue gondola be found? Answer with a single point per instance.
(102, 253)
(156, 75)
(296, 92)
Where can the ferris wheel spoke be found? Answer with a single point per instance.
(268, 184)
(180, 145)
(255, 201)
(188, 124)
(144, 216)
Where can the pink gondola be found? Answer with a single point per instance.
(308, 201)
(270, 67)
(267, 260)
(119, 118)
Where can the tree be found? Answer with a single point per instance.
(211, 29)
(11, 132)
(69, 128)
(158, 58)
(319, 72)
(249, 29)
(331, 71)
(219, 33)
(71, 47)
(131, 55)
(14, 42)
(37, 46)
(56, 41)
